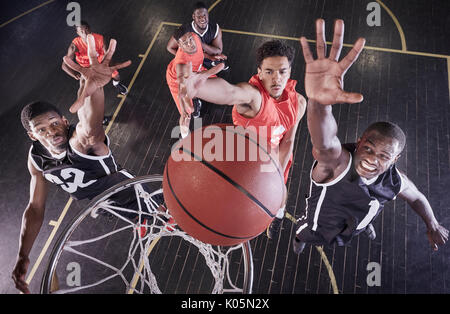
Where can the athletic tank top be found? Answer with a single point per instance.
(182, 57)
(277, 115)
(82, 176)
(346, 205)
(81, 56)
(208, 35)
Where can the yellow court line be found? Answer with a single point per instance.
(49, 240)
(213, 5)
(135, 279)
(417, 53)
(25, 13)
(448, 73)
(57, 224)
(329, 269)
(399, 27)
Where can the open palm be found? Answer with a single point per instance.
(324, 77)
(98, 74)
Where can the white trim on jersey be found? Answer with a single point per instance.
(217, 31)
(301, 228)
(195, 30)
(127, 174)
(318, 207)
(402, 184)
(105, 167)
(339, 178)
(32, 160)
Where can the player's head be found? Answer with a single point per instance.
(45, 123)
(185, 40)
(200, 16)
(83, 29)
(274, 59)
(378, 149)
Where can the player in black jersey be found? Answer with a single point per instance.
(209, 33)
(350, 183)
(77, 158)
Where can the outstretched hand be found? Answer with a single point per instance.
(324, 77)
(98, 74)
(190, 82)
(437, 236)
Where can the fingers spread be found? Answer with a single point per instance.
(353, 54)
(121, 65)
(338, 39)
(110, 52)
(307, 55)
(71, 64)
(321, 45)
(349, 98)
(214, 70)
(92, 52)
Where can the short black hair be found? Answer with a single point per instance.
(85, 25)
(390, 130)
(200, 5)
(274, 48)
(180, 31)
(35, 109)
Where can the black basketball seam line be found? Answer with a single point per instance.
(195, 219)
(231, 181)
(261, 147)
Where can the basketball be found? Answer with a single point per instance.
(222, 185)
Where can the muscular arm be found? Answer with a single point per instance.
(89, 134)
(32, 219)
(322, 128)
(419, 203)
(216, 46)
(172, 46)
(287, 143)
(71, 54)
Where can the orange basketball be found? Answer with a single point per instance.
(222, 186)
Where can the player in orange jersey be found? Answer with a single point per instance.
(268, 102)
(78, 51)
(190, 51)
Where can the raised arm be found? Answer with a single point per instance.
(172, 46)
(98, 74)
(216, 46)
(71, 55)
(216, 90)
(324, 81)
(32, 219)
(437, 235)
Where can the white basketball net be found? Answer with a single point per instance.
(144, 280)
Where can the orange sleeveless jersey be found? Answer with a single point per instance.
(183, 58)
(81, 56)
(279, 116)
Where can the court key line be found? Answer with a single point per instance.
(397, 24)
(25, 13)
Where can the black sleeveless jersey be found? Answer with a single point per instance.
(82, 176)
(208, 35)
(346, 205)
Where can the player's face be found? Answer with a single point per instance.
(201, 18)
(82, 32)
(375, 154)
(187, 43)
(274, 73)
(50, 129)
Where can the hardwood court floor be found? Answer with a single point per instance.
(402, 73)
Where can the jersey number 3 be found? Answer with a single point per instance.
(70, 187)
